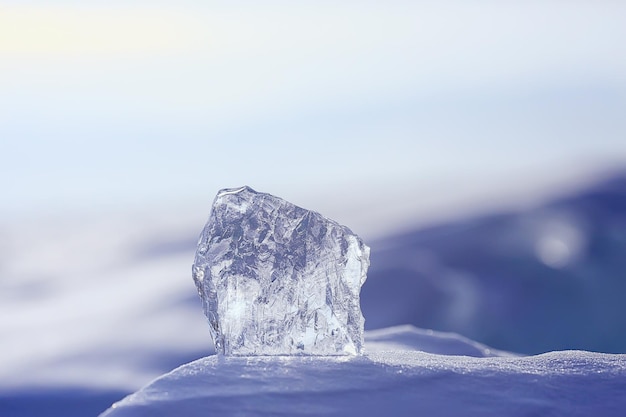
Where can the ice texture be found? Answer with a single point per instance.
(277, 279)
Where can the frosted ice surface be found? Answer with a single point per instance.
(276, 279)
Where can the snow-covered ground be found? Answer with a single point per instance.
(395, 377)
(92, 308)
(90, 311)
(376, 114)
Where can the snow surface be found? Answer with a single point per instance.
(389, 380)
(112, 298)
(110, 295)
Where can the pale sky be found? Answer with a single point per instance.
(107, 104)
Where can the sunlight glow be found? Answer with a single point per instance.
(561, 242)
(56, 30)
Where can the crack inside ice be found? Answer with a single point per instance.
(276, 279)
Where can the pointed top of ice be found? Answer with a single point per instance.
(227, 191)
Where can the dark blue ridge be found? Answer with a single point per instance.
(481, 277)
(58, 402)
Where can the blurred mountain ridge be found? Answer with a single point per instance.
(546, 278)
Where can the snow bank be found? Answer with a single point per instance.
(388, 381)
(110, 295)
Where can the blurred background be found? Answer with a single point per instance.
(479, 148)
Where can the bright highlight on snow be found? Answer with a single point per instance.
(276, 279)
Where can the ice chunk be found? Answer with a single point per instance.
(276, 279)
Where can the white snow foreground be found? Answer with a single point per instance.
(392, 378)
